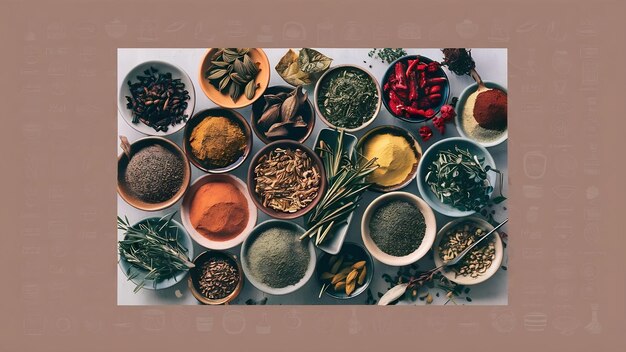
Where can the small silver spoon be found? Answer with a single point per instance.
(458, 258)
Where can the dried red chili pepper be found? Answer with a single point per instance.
(434, 98)
(400, 72)
(435, 81)
(433, 89)
(412, 81)
(425, 133)
(433, 67)
(412, 66)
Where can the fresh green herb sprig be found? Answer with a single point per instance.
(459, 179)
(346, 184)
(153, 250)
(387, 55)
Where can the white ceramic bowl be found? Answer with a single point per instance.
(203, 240)
(258, 284)
(184, 240)
(163, 67)
(460, 105)
(430, 155)
(427, 241)
(468, 280)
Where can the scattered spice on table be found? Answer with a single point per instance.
(281, 117)
(286, 180)
(348, 97)
(415, 88)
(219, 278)
(154, 174)
(233, 72)
(219, 211)
(478, 260)
(218, 141)
(459, 178)
(484, 116)
(396, 157)
(157, 100)
(397, 228)
(278, 258)
(387, 55)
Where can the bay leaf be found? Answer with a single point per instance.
(234, 91)
(224, 83)
(289, 107)
(269, 117)
(238, 67)
(271, 99)
(250, 89)
(393, 294)
(312, 61)
(289, 69)
(237, 78)
(216, 74)
(278, 130)
(219, 63)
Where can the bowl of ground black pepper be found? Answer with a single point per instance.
(217, 140)
(398, 228)
(216, 279)
(275, 260)
(155, 177)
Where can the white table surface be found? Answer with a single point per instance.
(490, 63)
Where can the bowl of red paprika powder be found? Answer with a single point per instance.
(415, 88)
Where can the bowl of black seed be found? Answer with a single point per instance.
(152, 174)
(275, 260)
(216, 279)
(398, 228)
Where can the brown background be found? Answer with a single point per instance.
(566, 67)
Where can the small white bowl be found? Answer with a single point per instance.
(200, 238)
(468, 280)
(184, 241)
(163, 67)
(427, 241)
(258, 284)
(460, 105)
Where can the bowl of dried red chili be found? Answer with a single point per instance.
(415, 88)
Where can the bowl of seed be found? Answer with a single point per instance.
(347, 97)
(286, 179)
(153, 173)
(234, 77)
(275, 260)
(217, 140)
(398, 228)
(156, 98)
(347, 273)
(217, 277)
(481, 263)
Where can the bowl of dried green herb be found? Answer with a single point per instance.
(398, 228)
(457, 176)
(347, 97)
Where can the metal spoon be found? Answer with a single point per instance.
(458, 258)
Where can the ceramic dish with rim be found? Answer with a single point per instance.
(224, 100)
(259, 229)
(195, 273)
(233, 116)
(293, 145)
(306, 111)
(334, 240)
(122, 162)
(394, 131)
(184, 240)
(486, 227)
(203, 240)
(332, 71)
(430, 156)
(461, 123)
(162, 67)
(357, 253)
(439, 73)
(429, 234)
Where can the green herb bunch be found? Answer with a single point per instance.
(346, 184)
(459, 179)
(153, 250)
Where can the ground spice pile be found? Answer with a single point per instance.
(219, 211)
(217, 141)
(397, 228)
(154, 174)
(490, 109)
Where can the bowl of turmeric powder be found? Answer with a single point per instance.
(217, 140)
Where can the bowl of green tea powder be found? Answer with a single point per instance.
(275, 260)
(398, 228)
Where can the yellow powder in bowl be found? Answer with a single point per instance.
(395, 157)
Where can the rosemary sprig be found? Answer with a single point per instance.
(346, 179)
(153, 250)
